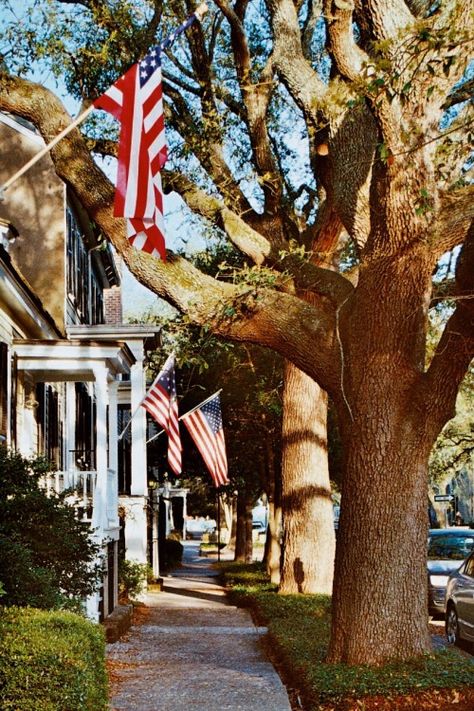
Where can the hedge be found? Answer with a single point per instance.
(51, 661)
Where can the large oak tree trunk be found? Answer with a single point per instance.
(308, 527)
(380, 596)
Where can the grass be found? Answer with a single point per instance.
(299, 628)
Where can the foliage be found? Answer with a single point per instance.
(299, 628)
(51, 661)
(47, 557)
(132, 578)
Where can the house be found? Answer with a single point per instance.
(71, 373)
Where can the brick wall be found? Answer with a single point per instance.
(113, 305)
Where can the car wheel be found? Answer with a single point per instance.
(452, 626)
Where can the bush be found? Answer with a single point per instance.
(51, 661)
(47, 556)
(132, 579)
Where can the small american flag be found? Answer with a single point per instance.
(162, 404)
(205, 427)
(136, 100)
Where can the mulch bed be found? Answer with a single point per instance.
(432, 700)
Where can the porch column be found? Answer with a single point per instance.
(70, 434)
(99, 515)
(113, 455)
(138, 455)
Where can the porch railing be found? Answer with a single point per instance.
(82, 487)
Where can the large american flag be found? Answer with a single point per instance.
(162, 404)
(136, 100)
(205, 427)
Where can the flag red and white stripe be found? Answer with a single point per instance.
(162, 404)
(205, 427)
(136, 100)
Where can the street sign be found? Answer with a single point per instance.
(444, 497)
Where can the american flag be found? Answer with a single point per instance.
(205, 427)
(162, 404)
(136, 100)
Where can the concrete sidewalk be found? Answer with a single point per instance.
(194, 651)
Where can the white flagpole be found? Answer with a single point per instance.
(187, 413)
(137, 409)
(171, 355)
(46, 149)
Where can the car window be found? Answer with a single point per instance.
(469, 569)
(450, 547)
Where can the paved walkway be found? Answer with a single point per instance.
(194, 651)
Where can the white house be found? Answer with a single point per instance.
(70, 371)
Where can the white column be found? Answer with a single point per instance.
(113, 434)
(70, 433)
(99, 516)
(138, 455)
(113, 501)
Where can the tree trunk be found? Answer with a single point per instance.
(308, 525)
(380, 591)
(241, 531)
(243, 541)
(272, 553)
(248, 529)
(230, 509)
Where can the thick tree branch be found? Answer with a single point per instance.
(307, 277)
(455, 349)
(304, 85)
(465, 92)
(455, 217)
(277, 320)
(349, 58)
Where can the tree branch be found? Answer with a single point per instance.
(277, 320)
(349, 58)
(455, 349)
(455, 216)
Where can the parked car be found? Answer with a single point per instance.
(447, 548)
(460, 603)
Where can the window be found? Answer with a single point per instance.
(49, 424)
(450, 547)
(469, 569)
(83, 284)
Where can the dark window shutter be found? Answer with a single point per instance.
(3, 389)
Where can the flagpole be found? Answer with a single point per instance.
(218, 526)
(46, 149)
(187, 413)
(199, 12)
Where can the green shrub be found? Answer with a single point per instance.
(47, 556)
(132, 578)
(51, 661)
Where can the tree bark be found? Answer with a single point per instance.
(248, 529)
(272, 555)
(241, 531)
(243, 540)
(308, 527)
(272, 479)
(380, 596)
